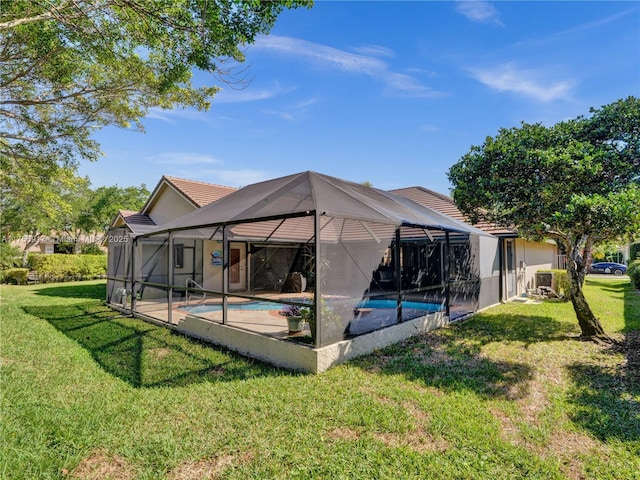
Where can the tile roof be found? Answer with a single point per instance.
(446, 205)
(199, 193)
(135, 218)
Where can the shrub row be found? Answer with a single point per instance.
(634, 273)
(17, 276)
(62, 267)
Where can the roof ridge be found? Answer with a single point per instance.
(125, 211)
(442, 196)
(172, 179)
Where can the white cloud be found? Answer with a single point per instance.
(183, 158)
(374, 51)
(249, 94)
(359, 64)
(531, 83)
(176, 115)
(303, 104)
(235, 178)
(288, 116)
(321, 54)
(577, 30)
(294, 112)
(478, 11)
(409, 86)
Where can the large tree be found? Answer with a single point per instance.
(30, 213)
(104, 204)
(68, 208)
(577, 182)
(68, 67)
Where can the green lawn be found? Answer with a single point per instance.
(510, 393)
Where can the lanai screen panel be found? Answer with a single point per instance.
(350, 251)
(152, 275)
(464, 275)
(119, 267)
(187, 263)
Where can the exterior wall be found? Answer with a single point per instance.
(169, 205)
(191, 261)
(531, 257)
(488, 252)
(211, 270)
(301, 357)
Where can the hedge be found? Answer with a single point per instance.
(634, 273)
(59, 267)
(16, 276)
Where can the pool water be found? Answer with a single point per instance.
(262, 306)
(386, 303)
(244, 306)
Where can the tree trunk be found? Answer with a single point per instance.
(590, 326)
(31, 241)
(25, 257)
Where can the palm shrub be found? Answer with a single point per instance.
(10, 256)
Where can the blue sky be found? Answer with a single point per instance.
(393, 93)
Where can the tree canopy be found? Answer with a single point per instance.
(67, 208)
(68, 67)
(577, 182)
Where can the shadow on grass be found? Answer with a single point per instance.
(604, 403)
(450, 359)
(142, 354)
(434, 360)
(529, 329)
(76, 290)
(631, 308)
(605, 398)
(632, 332)
(610, 285)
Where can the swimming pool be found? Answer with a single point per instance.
(252, 306)
(374, 314)
(387, 303)
(207, 308)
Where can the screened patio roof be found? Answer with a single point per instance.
(300, 195)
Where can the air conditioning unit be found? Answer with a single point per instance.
(546, 279)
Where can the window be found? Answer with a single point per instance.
(178, 255)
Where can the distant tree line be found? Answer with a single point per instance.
(68, 209)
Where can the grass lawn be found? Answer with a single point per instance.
(510, 393)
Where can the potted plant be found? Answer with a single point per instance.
(331, 319)
(294, 318)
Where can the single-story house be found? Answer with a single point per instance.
(366, 267)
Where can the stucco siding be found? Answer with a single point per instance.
(169, 205)
(531, 257)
